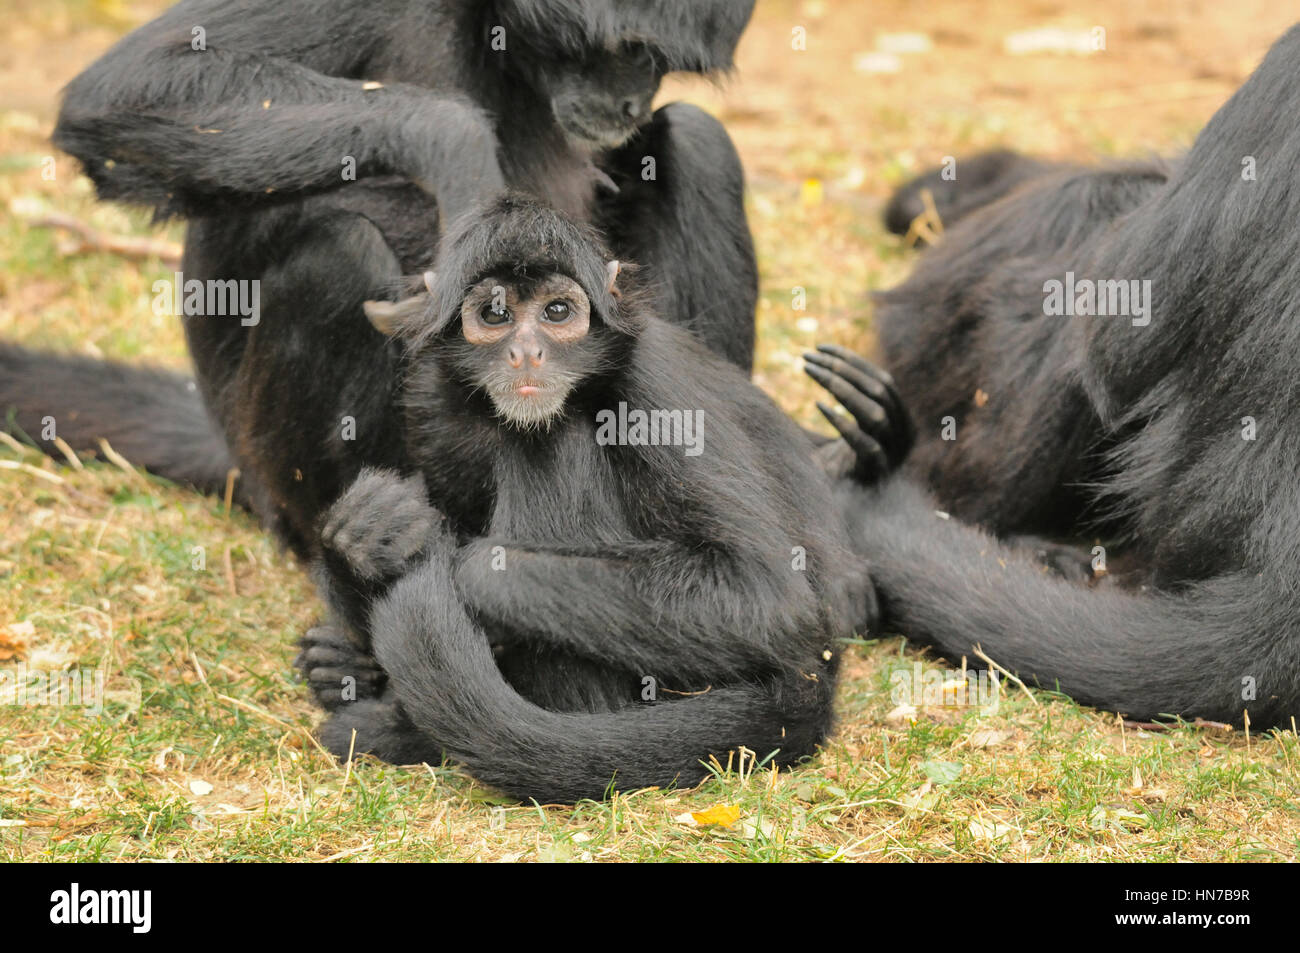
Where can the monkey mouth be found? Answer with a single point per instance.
(595, 136)
(528, 403)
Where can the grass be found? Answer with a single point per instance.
(205, 752)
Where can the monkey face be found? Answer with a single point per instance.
(601, 101)
(527, 345)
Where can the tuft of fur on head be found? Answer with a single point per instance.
(684, 35)
(521, 240)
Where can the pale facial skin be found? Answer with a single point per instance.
(526, 385)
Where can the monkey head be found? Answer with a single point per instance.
(600, 62)
(523, 308)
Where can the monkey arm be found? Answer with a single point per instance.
(654, 607)
(370, 536)
(159, 122)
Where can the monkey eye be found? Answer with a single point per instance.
(557, 312)
(494, 317)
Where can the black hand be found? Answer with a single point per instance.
(880, 431)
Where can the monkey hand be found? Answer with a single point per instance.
(380, 524)
(878, 432)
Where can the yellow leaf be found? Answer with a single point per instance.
(723, 815)
(811, 193)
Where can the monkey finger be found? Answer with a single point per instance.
(872, 462)
(867, 412)
(879, 385)
(859, 362)
(317, 655)
(897, 409)
(323, 674)
(852, 371)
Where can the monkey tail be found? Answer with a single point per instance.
(153, 418)
(1228, 645)
(442, 670)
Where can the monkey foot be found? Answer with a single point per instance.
(336, 671)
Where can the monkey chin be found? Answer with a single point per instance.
(595, 137)
(535, 411)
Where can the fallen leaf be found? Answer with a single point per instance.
(987, 737)
(988, 829)
(902, 714)
(722, 815)
(921, 800)
(1117, 818)
(14, 638)
(941, 772)
(200, 788)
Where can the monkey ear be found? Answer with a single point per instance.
(611, 277)
(391, 317)
(382, 316)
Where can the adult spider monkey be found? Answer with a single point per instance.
(538, 574)
(253, 120)
(1171, 432)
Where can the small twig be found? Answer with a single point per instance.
(28, 468)
(347, 773)
(979, 654)
(231, 476)
(198, 670)
(261, 713)
(87, 238)
(15, 446)
(69, 453)
(119, 461)
(1147, 725)
(368, 845)
(927, 225)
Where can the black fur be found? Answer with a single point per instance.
(247, 138)
(1094, 428)
(180, 442)
(970, 185)
(567, 571)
